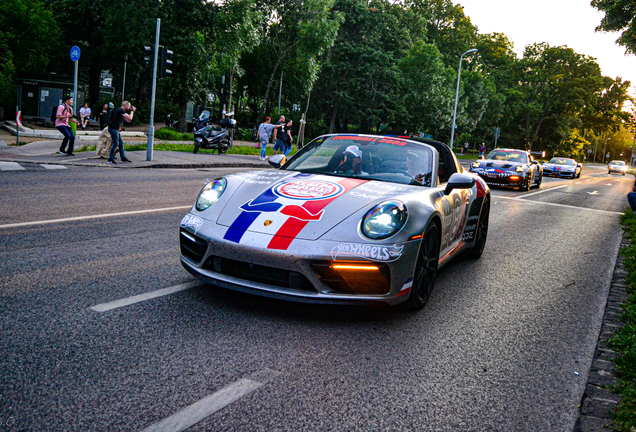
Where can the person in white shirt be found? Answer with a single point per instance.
(85, 115)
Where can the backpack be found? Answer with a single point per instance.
(54, 112)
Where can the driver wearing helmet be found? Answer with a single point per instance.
(351, 161)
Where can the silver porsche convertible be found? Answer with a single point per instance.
(349, 218)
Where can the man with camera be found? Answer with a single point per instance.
(126, 112)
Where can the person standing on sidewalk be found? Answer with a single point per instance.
(63, 116)
(287, 137)
(279, 140)
(631, 197)
(264, 131)
(126, 112)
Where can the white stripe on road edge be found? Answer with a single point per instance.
(10, 166)
(79, 218)
(207, 406)
(545, 190)
(105, 307)
(53, 167)
(557, 205)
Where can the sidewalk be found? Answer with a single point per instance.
(45, 152)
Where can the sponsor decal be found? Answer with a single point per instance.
(193, 222)
(292, 205)
(371, 252)
(309, 190)
(472, 218)
(406, 288)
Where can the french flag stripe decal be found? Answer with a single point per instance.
(292, 226)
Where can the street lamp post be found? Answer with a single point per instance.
(631, 156)
(459, 74)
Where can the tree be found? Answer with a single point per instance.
(619, 16)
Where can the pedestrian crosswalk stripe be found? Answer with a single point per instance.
(53, 167)
(10, 166)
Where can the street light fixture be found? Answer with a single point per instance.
(459, 74)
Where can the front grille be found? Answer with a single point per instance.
(258, 273)
(354, 282)
(192, 246)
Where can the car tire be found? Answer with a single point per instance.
(539, 181)
(425, 269)
(609, 172)
(481, 232)
(525, 187)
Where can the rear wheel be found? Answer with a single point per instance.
(481, 232)
(425, 269)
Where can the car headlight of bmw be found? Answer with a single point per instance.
(384, 220)
(210, 194)
(519, 168)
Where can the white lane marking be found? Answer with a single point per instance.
(116, 304)
(544, 190)
(608, 184)
(593, 193)
(207, 406)
(10, 166)
(53, 167)
(558, 205)
(105, 215)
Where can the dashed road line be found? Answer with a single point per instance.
(209, 405)
(10, 166)
(545, 190)
(558, 205)
(105, 215)
(116, 304)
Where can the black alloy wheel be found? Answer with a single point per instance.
(481, 233)
(425, 269)
(196, 147)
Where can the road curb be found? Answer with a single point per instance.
(103, 163)
(598, 402)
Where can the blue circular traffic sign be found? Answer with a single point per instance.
(75, 53)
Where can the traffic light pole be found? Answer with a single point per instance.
(151, 128)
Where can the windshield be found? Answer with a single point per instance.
(204, 115)
(369, 157)
(621, 163)
(562, 161)
(508, 156)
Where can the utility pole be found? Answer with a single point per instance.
(151, 128)
(123, 86)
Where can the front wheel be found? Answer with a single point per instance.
(526, 186)
(425, 269)
(196, 147)
(481, 233)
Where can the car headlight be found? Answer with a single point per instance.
(519, 168)
(210, 194)
(475, 164)
(384, 220)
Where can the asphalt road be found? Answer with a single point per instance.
(504, 343)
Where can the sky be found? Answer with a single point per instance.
(557, 22)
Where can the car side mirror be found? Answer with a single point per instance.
(534, 162)
(277, 161)
(459, 181)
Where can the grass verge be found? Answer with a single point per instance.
(624, 341)
(186, 148)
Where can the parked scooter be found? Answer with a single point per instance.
(207, 136)
(171, 123)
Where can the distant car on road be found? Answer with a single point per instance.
(562, 167)
(617, 167)
(349, 218)
(509, 168)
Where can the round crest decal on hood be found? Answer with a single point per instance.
(309, 190)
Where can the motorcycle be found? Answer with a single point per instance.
(171, 123)
(207, 136)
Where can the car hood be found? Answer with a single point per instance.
(559, 167)
(303, 206)
(498, 166)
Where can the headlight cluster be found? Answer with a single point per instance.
(384, 220)
(210, 194)
(475, 164)
(519, 168)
